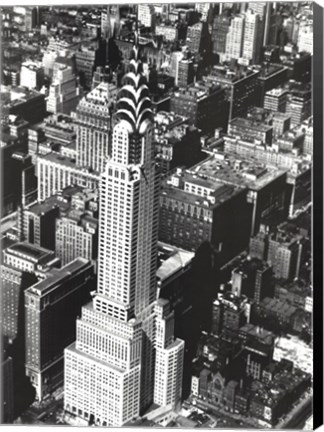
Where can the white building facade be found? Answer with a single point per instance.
(110, 369)
(252, 37)
(234, 38)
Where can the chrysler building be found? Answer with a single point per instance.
(125, 357)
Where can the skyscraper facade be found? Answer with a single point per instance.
(110, 371)
(64, 92)
(252, 37)
(234, 38)
(220, 29)
(93, 120)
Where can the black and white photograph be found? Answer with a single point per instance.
(157, 265)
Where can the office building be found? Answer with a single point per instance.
(35, 136)
(146, 15)
(56, 172)
(176, 143)
(234, 38)
(38, 226)
(20, 187)
(284, 254)
(21, 262)
(39, 220)
(280, 124)
(258, 348)
(176, 56)
(169, 32)
(31, 75)
(281, 248)
(124, 307)
(87, 58)
(305, 38)
(197, 36)
(194, 210)
(13, 282)
(252, 40)
(101, 74)
(52, 306)
(264, 10)
(93, 119)
(230, 312)
(32, 18)
(276, 99)
(275, 28)
(203, 10)
(241, 88)
(64, 92)
(251, 128)
(48, 61)
(271, 76)
(186, 72)
(29, 258)
(220, 29)
(299, 103)
(299, 66)
(307, 125)
(110, 21)
(28, 104)
(266, 187)
(76, 233)
(291, 141)
(201, 102)
(252, 278)
(169, 358)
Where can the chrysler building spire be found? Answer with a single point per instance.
(134, 104)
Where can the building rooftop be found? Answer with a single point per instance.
(238, 171)
(220, 194)
(177, 261)
(250, 123)
(251, 264)
(27, 250)
(278, 306)
(64, 160)
(231, 300)
(58, 276)
(264, 336)
(54, 201)
(276, 92)
(270, 70)
(226, 75)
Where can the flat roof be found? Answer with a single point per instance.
(66, 161)
(237, 171)
(251, 123)
(50, 203)
(181, 195)
(57, 276)
(278, 91)
(34, 251)
(259, 332)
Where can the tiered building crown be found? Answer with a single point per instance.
(134, 104)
